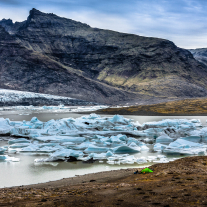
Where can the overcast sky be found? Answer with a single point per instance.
(182, 21)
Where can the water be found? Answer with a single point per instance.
(14, 116)
(27, 172)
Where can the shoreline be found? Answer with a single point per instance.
(178, 183)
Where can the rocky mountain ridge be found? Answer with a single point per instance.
(54, 55)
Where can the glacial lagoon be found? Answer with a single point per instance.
(26, 171)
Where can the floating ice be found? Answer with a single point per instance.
(8, 158)
(60, 139)
(20, 140)
(182, 142)
(12, 151)
(192, 138)
(185, 151)
(126, 149)
(5, 127)
(182, 123)
(141, 160)
(119, 119)
(93, 148)
(164, 139)
(104, 138)
(181, 146)
(159, 147)
(2, 150)
(153, 132)
(19, 145)
(162, 160)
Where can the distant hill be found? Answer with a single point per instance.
(200, 54)
(59, 56)
(186, 107)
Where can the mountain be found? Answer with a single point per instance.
(59, 56)
(200, 54)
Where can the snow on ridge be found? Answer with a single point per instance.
(13, 95)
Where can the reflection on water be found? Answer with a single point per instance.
(27, 172)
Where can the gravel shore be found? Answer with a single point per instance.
(178, 183)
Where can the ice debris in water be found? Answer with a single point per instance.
(104, 138)
(8, 158)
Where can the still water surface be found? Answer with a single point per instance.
(27, 172)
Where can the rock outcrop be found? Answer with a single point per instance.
(54, 55)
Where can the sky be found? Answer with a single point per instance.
(182, 21)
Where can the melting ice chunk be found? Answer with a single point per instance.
(20, 140)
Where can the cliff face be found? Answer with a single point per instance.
(55, 55)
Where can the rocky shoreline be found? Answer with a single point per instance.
(178, 183)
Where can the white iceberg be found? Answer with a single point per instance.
(5, 127)
(181, 146)
(8, 158)
(164, 139)
(159, 147)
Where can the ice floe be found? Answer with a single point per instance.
(115, 140)
(8, 158)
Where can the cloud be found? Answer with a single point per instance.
(10, 2)
(181, 21)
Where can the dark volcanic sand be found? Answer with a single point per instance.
(179, 183)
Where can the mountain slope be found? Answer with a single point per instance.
(27, 70)
(200, 54)
(186, 107)
(60, 56)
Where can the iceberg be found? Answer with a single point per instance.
(182, 142)
(103, 138)
(12, 151)
(65, 153)
(19, 145)
(5, 127)
(59, 139)
(181, 146)
(192, 138)
(184, 151)
(159, 147)
(8, 158)
(181, 123)
(119, 119)
(20, 140)
(153, 132)
(126, 149)
(128, 160)
(93, 148)
(2, 150)
(164, 139)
